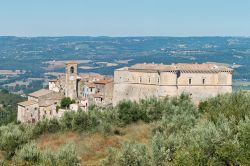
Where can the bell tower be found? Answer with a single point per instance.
(71, 80)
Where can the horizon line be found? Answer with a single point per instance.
(125, 36)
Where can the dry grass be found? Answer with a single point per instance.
(92, 148)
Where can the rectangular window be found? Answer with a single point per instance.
(203, 81)
(190, 81)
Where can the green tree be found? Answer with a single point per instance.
(65, 102)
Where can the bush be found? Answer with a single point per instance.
(67, 120)
(65, 102)
(12, 137)
(133, 155)
(67, 155)
(129, 112)
(29, 153)
(160, 151)
(235, 105)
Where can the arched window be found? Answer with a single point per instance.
(72, 70)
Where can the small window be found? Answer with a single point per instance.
(190, 81)
(149, 80)
(72, 70)
(140, 80)
(158, 80)
(203, 81)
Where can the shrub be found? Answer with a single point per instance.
(65, 102)
(160, 150)
(67, 120)
(67, 155)
(133, 155)
(12, 137)
(235, 105)
(81, 121)
(29, 153)
(129, 112)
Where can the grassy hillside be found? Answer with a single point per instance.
(170, 131)
(92, 147)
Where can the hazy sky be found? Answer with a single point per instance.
(125, 17)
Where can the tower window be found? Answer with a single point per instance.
(140, 79)
(190, 81)
(203, 81)
(149, 80)
(72, 70)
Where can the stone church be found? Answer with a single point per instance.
(85, 89)
(200, 81)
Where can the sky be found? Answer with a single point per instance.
(124, 18)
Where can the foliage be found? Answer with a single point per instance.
(66, 101)
(133, 155)
(8, 107)
(29, 153)
(235, 105)
(160, 150)
(215, 133)
(12, 137)
(64, 156)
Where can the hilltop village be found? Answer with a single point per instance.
(139, 81)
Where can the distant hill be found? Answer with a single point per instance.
(30, 54)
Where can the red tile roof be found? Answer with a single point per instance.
(104, 81)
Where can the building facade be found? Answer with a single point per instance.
(85, 89)
(142, 81)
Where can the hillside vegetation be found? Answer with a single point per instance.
(8, 106)
(170, 131)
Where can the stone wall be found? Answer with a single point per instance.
(28, 113)
(141, 84)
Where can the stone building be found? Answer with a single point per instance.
(85, 89)
(40, 105)
(201, 81)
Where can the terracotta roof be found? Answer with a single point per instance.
(27, 103)
(154, 67)
(104, 81)
(90, 85)
(202, 67)
(71, 62)
(40, 93)
(183, 67)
